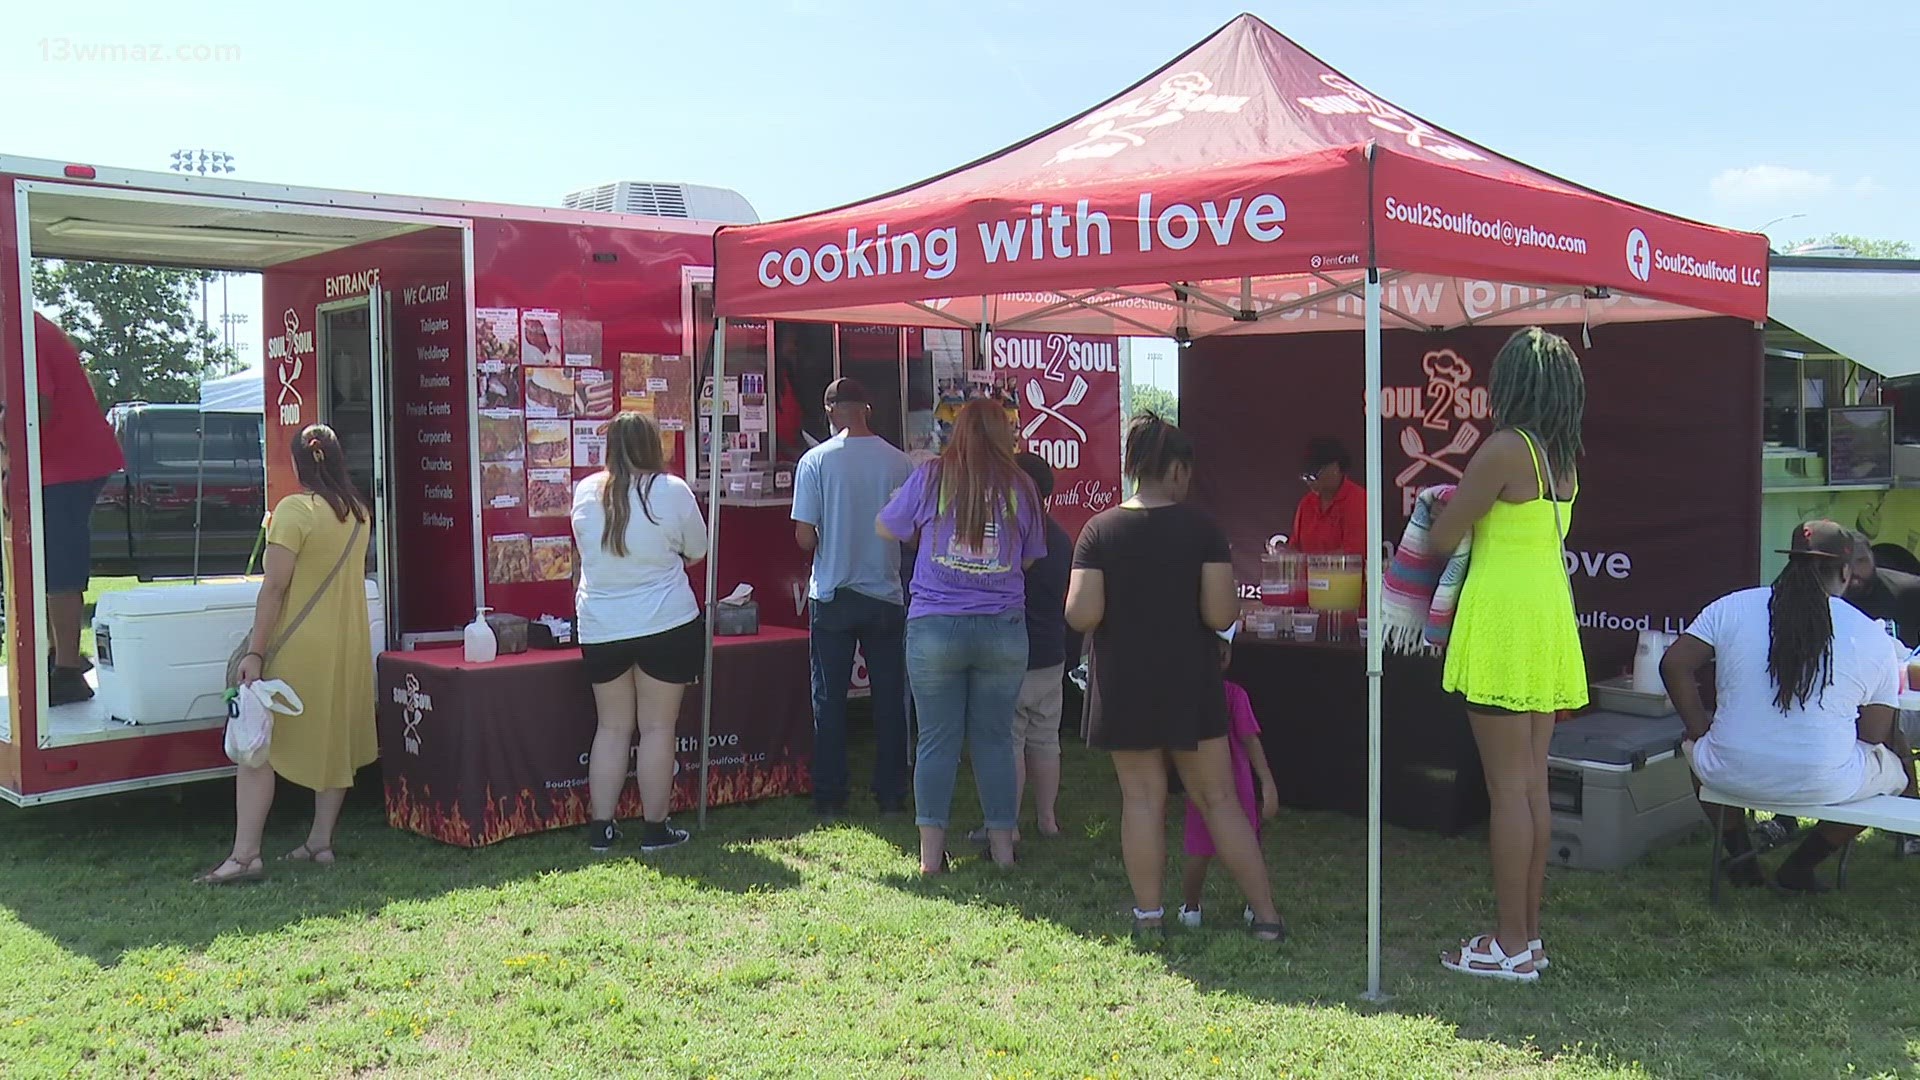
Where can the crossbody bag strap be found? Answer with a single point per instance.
(314, 600)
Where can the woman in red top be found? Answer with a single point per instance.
(1332, 516)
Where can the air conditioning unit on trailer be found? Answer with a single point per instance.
(693, 201)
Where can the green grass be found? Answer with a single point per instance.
(774, 946)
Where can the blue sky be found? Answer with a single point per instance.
(1735, 113)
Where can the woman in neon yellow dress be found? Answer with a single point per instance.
(1514, 654)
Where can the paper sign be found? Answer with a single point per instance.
(590, 444)
(497, 333)
(540, 338)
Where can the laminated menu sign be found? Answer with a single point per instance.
(636, 378)
(583, 342)
(497, 334)
(753, 412)
(499, 385)
(549, 392)
(593, 396)
(590, 444)
(503, 484)
(509, 559)
(549, 444)
(552, 558)
(540, 338)
(502, 435)
(549, 493)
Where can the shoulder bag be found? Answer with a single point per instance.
(241, 651)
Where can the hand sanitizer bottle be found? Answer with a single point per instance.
(481, 645)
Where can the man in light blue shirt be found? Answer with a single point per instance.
(854, 595)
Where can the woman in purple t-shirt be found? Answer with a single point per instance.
(977, 524)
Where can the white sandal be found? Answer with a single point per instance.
(1485, 950)
(1539, 951)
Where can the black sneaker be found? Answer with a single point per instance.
(601, 835)
(68, 686)
(659, 836)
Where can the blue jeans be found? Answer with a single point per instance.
(879, 629)
(966, 672)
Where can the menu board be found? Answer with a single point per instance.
(549, 384)
(429, 494)
(1860, 445)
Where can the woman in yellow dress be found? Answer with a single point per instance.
(1514, 653)
(327, 657)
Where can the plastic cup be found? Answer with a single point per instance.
(1361, 622)
(1305, 625)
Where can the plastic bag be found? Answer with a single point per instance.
(250, 719)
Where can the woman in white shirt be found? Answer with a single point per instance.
(1805, 691)
(638, 529)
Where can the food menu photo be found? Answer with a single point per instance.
(502, 435)
(553, 558)
(582, 337)
(549, 444)
(499, 385)
(509, 559)
(549, 392)
(593, 396)
(541, 338)
(549, 493)
(497, 334)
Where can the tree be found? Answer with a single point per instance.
(1147, 396)
(134, 326)
(1860, 246)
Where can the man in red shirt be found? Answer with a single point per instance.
(1332, 517)
(78, 452)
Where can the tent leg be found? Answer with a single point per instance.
(1375, 651)
(713, 550)
(199, 495)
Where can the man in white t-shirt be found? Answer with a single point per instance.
(1805, 692)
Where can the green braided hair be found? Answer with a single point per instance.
(1537, 386)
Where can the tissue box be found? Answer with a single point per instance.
(736, 620)
(542, 636)
(510, 631)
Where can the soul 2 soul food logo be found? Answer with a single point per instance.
(1445, 421)
(286, 351)
(1063, 360)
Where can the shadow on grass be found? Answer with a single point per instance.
(108, 876)
(1646, 971)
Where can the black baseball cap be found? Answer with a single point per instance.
(1821, 540)
(846, 392)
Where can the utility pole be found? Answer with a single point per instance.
(204, 162)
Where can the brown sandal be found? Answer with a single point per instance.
(317, 856)
(252, 870)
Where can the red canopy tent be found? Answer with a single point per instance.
(1245, 187)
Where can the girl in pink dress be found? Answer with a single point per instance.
(1249, 760)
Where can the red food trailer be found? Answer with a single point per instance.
(469, 355)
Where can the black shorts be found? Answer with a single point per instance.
(1484, 710)
(671, 656)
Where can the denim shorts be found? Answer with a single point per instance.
(66, 512)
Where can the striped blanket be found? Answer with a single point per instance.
(1423, 585)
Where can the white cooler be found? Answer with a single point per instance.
(161, 651)
(1619, 786)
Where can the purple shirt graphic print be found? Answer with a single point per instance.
(953, 577)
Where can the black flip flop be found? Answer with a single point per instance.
(1277, 928)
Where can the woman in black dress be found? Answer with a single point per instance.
(1153, 583)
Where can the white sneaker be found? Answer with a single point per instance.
(1189, 917)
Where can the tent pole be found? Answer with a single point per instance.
(199, 494)
(1375, 651)
(713, 546)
